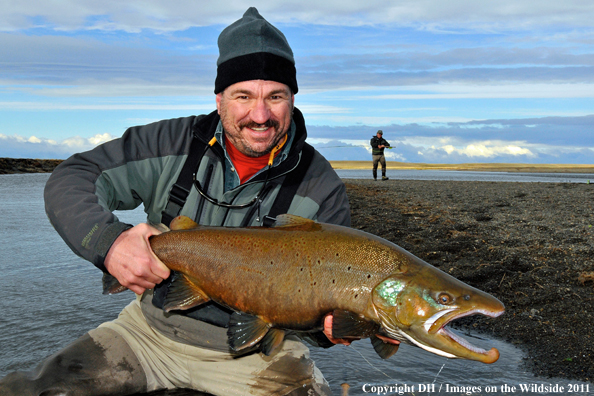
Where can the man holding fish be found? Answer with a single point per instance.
(269, 261)
(246, 162)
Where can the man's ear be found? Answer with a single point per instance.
(218, 99)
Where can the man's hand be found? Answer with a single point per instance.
(132, 262)
(328, 332)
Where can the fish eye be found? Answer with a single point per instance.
(444, 299)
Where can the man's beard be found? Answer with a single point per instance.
(235, 132)
(268, 124)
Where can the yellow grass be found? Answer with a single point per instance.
(548, 168)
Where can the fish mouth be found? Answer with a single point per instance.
(437, 338)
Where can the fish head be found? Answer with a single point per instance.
(416, 306)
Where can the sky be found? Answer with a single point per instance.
(447, 81)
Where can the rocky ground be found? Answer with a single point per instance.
(529, 244)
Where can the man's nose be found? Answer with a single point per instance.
(260, 113)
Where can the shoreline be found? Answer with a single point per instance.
(27, 165)
(475, 167)
(32, 165)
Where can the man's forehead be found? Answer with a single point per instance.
(258, 85)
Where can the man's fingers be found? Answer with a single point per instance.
(388, 339)
(132, 261)
(328, 332)
(160, 270)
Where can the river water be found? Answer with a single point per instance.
(413, 174)
(51, 297)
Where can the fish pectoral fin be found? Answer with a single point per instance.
(182, 223)
(347, 324)
(383, 349)
(246, 331)
(111, 285)
(183, 294)
(272, 340)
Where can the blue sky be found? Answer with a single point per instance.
(447, 82)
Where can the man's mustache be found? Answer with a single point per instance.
(251, 124)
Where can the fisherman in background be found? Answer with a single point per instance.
(241, 165)
(378, 144)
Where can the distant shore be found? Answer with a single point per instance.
(477, 167)
(27, 165)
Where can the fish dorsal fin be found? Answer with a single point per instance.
(182, 223)
(245, 330)
(383, 349)
(347, 324)
(289, 220)
(272, 340)
(111, 285)
(183, 294)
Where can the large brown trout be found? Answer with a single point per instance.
(290, 276)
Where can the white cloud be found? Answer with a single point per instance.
(164, 15)
(16, 146)
(488, 91)
(488, 150)
(52, 106)
(98, 139)
(321, 109)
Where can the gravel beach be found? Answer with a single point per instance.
(529, 244)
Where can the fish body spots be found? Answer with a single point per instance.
(251, 270)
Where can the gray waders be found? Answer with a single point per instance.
(84, 368)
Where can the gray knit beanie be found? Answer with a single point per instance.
(252, 49)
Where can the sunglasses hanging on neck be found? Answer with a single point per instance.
(227, 205)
